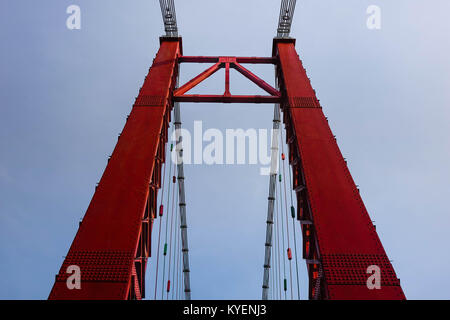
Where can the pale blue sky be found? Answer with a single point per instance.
(65, 96)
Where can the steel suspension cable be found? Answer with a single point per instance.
(293, 228)
(274, 260)
(180, 278)
(182, 203)
(277, 255)
(161, 209)
(269, 289)
(272, 276)
(279, 280)
(169, 17)
(175, 253)
(289, 254)
(283, 242)
(271, 199)
(171, 232)
(276, 250)
(285, 18)
(180, 263)
(166, 234)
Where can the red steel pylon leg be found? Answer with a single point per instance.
(112, 244)
(340, 241)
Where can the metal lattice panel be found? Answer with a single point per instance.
(304, 102)
(351, 269)
(107, 265)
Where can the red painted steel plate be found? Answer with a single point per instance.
(346, 235)
(106, 242)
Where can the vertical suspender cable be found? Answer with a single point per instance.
(280, 177)
(180, 277)
(271, 199)
(270, 286)
(275, 254)
(161, 209)
(167, 226)
(175, 253)
(293, 228)
(179, 255)
(277, 219)
(283, 241)
(276, 247)
(289, 254)
(182, 204)
(171, 232)
(273, 264)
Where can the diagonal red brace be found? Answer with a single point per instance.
(255, 79)
(202, 76)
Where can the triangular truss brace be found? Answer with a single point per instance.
(227, 63)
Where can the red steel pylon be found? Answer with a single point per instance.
(112, 244)
(340, 241)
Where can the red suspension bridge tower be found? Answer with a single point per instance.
(340, 244)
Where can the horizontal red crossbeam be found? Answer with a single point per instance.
(226, 98)
(210, 59)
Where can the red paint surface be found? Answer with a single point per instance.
(107, 240)
(113, 242)
(344, 231)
